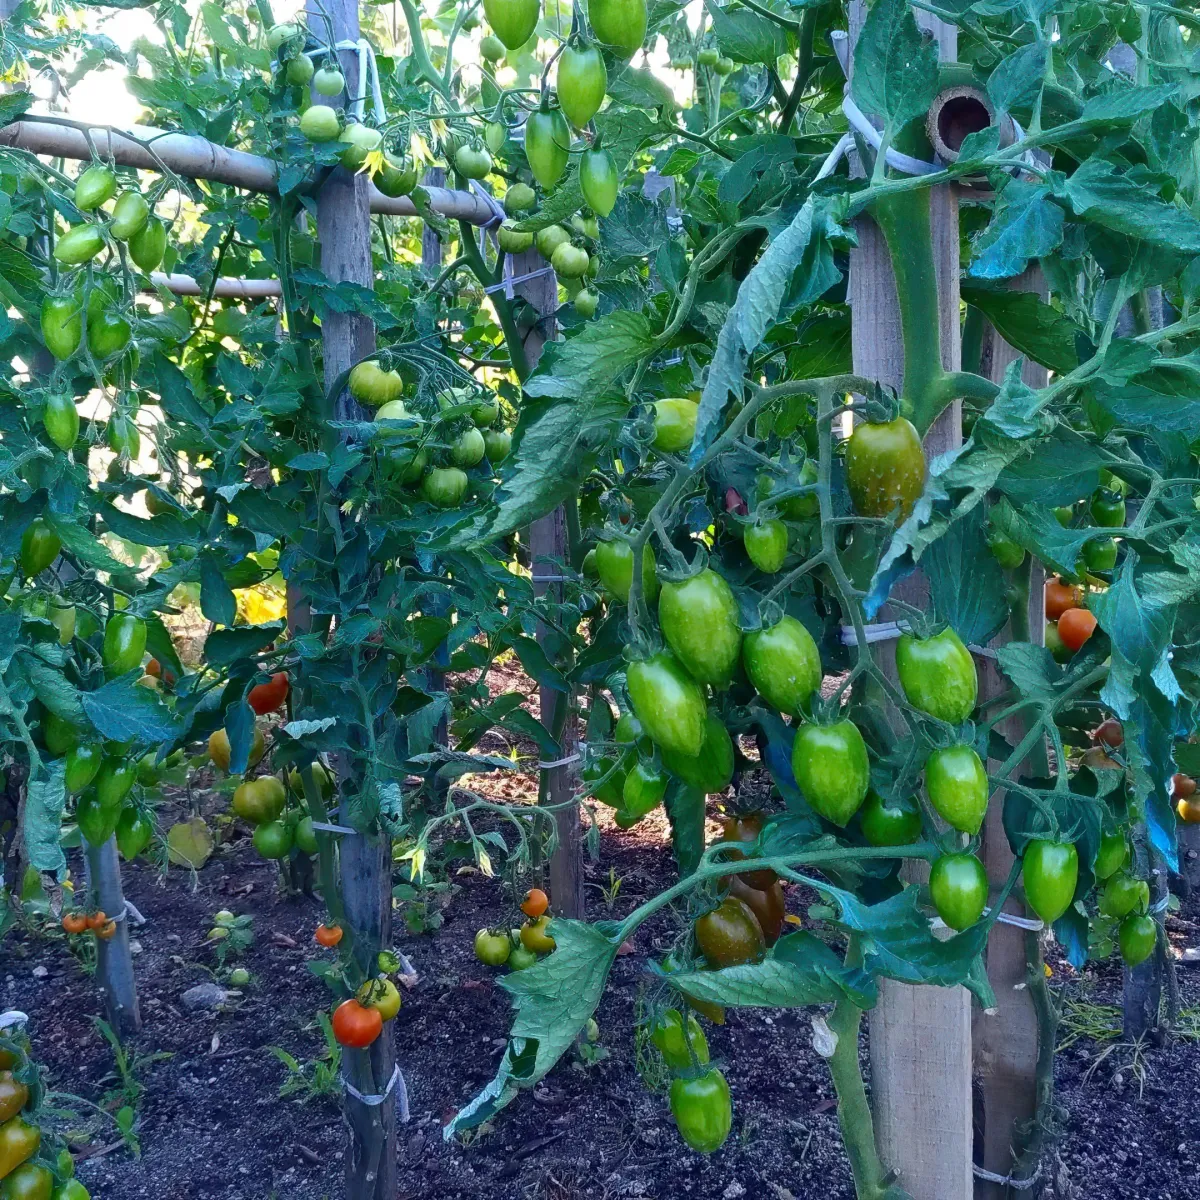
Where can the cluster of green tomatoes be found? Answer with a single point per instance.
(520, 947)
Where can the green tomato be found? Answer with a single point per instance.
(497, 443)
(492, 947)
(319, 123)
(1107, 509)
(708, 56)
(72, 1190)
(1112, 855)
(611, 791)
(581, 84)
(783, 664)
(614, 564)
(63, 617)
(702, 1107)
(712, 769)
(766, 545)
(512, 21)
(619, 24)
(521, 958)
(959, 887)
(794, 508)
(473, 162)
(60, 418)
(148, 247)
(96, 822)
(1051, 871)
(549, 238)
(547, 143)
(108, 334)
(495, 134)
(1064, 514)
(30, 1181)
(832, 769)
(468, 449)
(114, 781)
(672, 1041)
(259, 801)
(643, 789)
(280, 33)
(95, 186)
(131, 214)
(1007, 553)
(329, 81)
(39, 547)
(1100, 554)
(674, 425)
(957, 786)
(938, 675)
(83, 762)
(885, 824)
(80, 244)
(491, 49)
(239, 977)
(306, 836)
(273, 839)
(570, 262)
(397, 177)
(519, 198)
(586, 302)
(134, 832)
(598, 180)
(62, 326)
(445, 487)
(124, 438)
(513, 241)
(359, 140)
(124, 643)
(699, 619)
(1123, 894)
(668, 702)
(885, 467)
(1136, 938)
(300, 70)
(1059, 650)
(59, 734)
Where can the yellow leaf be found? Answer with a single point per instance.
(485, 863)
(792, 919)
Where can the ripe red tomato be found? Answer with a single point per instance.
(1060, 597)
(356, 1025)
(1075, 626)
(1110, 733)
(267, 697)
(1182, 786)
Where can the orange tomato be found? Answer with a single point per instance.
(329, 935)
(155, 668)
(1060, 598)
(75, 922)
(1183, 787)
(1075, 626)
(107, 930)
(267, 697)
(96, 919)
(535, 903)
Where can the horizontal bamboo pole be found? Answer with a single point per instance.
(197, 158)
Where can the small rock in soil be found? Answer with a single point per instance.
(203, 996)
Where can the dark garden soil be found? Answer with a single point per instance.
(212, 1124)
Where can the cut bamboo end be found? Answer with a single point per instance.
(956, 113)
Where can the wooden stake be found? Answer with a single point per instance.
(114, 962)
(1006, 1038)
(344, 234)
(920, 1036)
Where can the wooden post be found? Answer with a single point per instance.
(1006, 1038)
(113, 957)
(344, 235)
(920, 1036)
(549, 547)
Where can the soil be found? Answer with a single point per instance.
(212, 1124)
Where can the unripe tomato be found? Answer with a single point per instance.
(1137, 938)
(513, 241)
(547, 144)
(513, 21)
(96, 822)
(549, 238)
(468, 449)
(957, 786)
(305, 836)
(729, 934)
(63, 617)
(39, 547)
(355, 1025)
(1007, 553)
(598, 180)
(1075, 626)
(320, 123)
(14, 1095)
(519, 198)
(258, 801)
(521, 958)
(938, 675)
(219, 751)
(131, 214)
(783, 664)
(619, 24)
(1054, 643)
(80, 244)
(643, 789)
(19, 1141)
(712, 769)
(708, 56)
(885, 467)
(674, 425)
(1112, 855)
(495, 134)
(329, 81)
(794, 508)
(959, 888)
(445, 487)
(72, 1190)
(82, 765)
(611, 791)
(614, 564)
(473, 162)
(1064, 514)
(570, 262)
(329, 935)
(59, 734)
(134, 831)
(534, 936)
(725, 66)
(124, 438)
(1100, 554)
(124, 643)
(581, 83)
(586, 302)
(60, 418)
(673, 1038)
(397, 177)
(832, 768)
(268, 697)
(1107, 509)
(108, 333)
(282, 32)
(746, 827)
(114, 781)
(1123, 894)
(300, 70)
(669, 703)
(359, 141)
(699, 619)
(766, 544)
(491, 48)
(885, 824)
(535, 903)
(492, 947)
(273, 839)
(382, 995)
(1051, 871)
(497, 443)
(148, 247)
(1060, 597)
(62, 325)
(95, 186)
(767, 906)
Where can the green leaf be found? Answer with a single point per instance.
(584, 366)
(217, 601)
(685, 811)
(895, 66)
(56, 692)
(124, 711)
(1126, 104)
(966, 584)
(553, 1000)
(83, 544)
(45, 798)
(13, 105)
(1037, 529)
(1031, 326)
(1060, 469)
(1017, 79)
(224, 647)
(1026, 224)
(747, 37)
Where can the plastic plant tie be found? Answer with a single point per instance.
(333, 828)
(396, 1081)
(1032, 924)
(1161, 905)
(559, 762)
(885, 631)
(510, 281)
(498, 213)
(1019, 1185)
(366, 67)
(900, 162)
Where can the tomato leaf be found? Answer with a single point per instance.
(895, 66)
(966, 582)
(124, 711)
(45, 798)
(685, 811)
(1026, 224)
